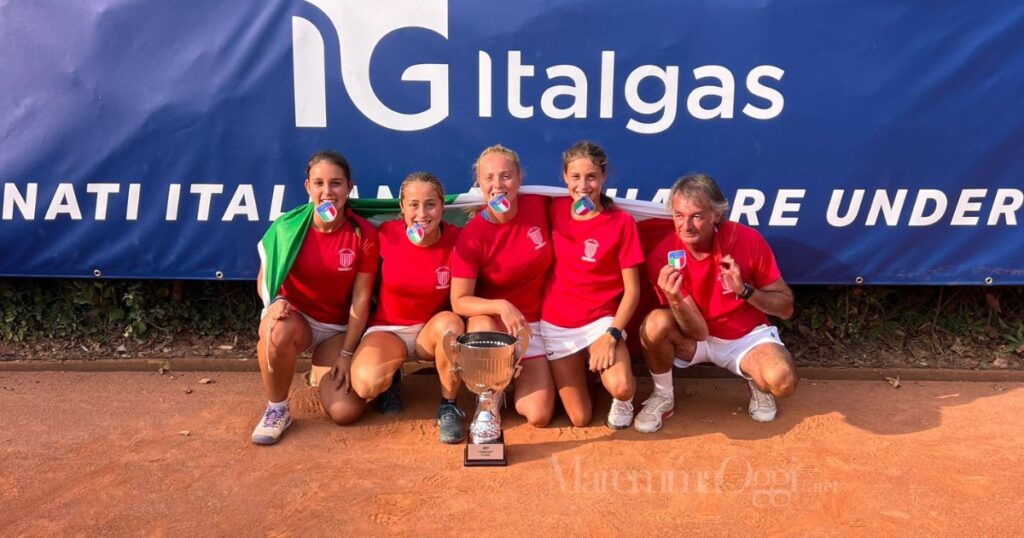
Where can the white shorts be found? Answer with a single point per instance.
(536, 346)
(406, 333)
(322, 331)
(560, 342)
(729, 354)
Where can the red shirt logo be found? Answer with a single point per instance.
(537, 237)
(444, 277)
(590, 249)
(346, 257)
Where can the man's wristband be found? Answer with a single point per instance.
(748, 290)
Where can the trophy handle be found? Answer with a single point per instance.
(522, 345)
(450, 346)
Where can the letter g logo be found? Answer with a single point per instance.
(360, 25)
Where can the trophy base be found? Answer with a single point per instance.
(486, 454)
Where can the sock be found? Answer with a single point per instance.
(279, 405)
(629, 401)
(663, 384)
(453, 401)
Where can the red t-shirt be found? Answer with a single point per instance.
(509, 261)
(727, 317)
(586, 284)
(320, 281)
(415, 282)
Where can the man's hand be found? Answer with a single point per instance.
(730, 274)
(670, 281)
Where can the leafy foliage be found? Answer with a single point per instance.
(108, 310)
(856, 326)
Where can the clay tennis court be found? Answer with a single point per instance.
(106, 454)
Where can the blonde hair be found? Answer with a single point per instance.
(500, 150)
(510, 154)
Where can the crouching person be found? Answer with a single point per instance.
(717, 282)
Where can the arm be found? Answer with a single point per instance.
(602, 351)
(259, 282)
(359, 311)
(279, 309)
(775, 299)
(465, 304)
(688, 317)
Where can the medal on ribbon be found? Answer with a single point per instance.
(415, 233)
(677, 259)
(327, 211)
(499, 204)
(583, 206)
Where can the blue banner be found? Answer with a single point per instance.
(870, 141)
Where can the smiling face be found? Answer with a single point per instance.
(584, 179)
(498, 174)
(327, 182)
(694, 223)
(422, 204)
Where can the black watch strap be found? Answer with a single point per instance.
(616, 334)
(748, 290)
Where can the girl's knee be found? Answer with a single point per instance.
(580, 418)
(537, 415)
(344, 414)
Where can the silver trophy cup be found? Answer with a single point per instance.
(486, 362)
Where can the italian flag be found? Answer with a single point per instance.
(280, 245)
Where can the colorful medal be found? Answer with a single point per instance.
(583, 206)
(415, 233)
(327, 211)
(499, 204)
(677, 259)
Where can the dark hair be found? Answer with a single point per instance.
(332, 157)
(589, 150)
(700, 188)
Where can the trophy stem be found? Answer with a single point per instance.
(486, 425)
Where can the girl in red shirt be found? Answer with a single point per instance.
(323, 302)
(499, 270)
(412, 313)
(593, 291)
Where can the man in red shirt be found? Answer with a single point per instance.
(717, 283)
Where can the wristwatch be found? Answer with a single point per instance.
(748, 290)
(617, 335)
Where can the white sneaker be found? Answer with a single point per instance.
(620, 416)
(762, 405)
(274, 422)
(657, 408)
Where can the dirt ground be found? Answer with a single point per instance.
(108, 454)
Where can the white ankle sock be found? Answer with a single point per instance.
(616, 400)
(663, 384)
(279, 405)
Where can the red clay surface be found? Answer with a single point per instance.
(102, 454)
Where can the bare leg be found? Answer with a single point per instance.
(287, 338)
(343, 407)
(771, 368)
(570, 378)
(430, 346)
(378, 357)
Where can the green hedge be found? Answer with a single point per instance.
(120, 310)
